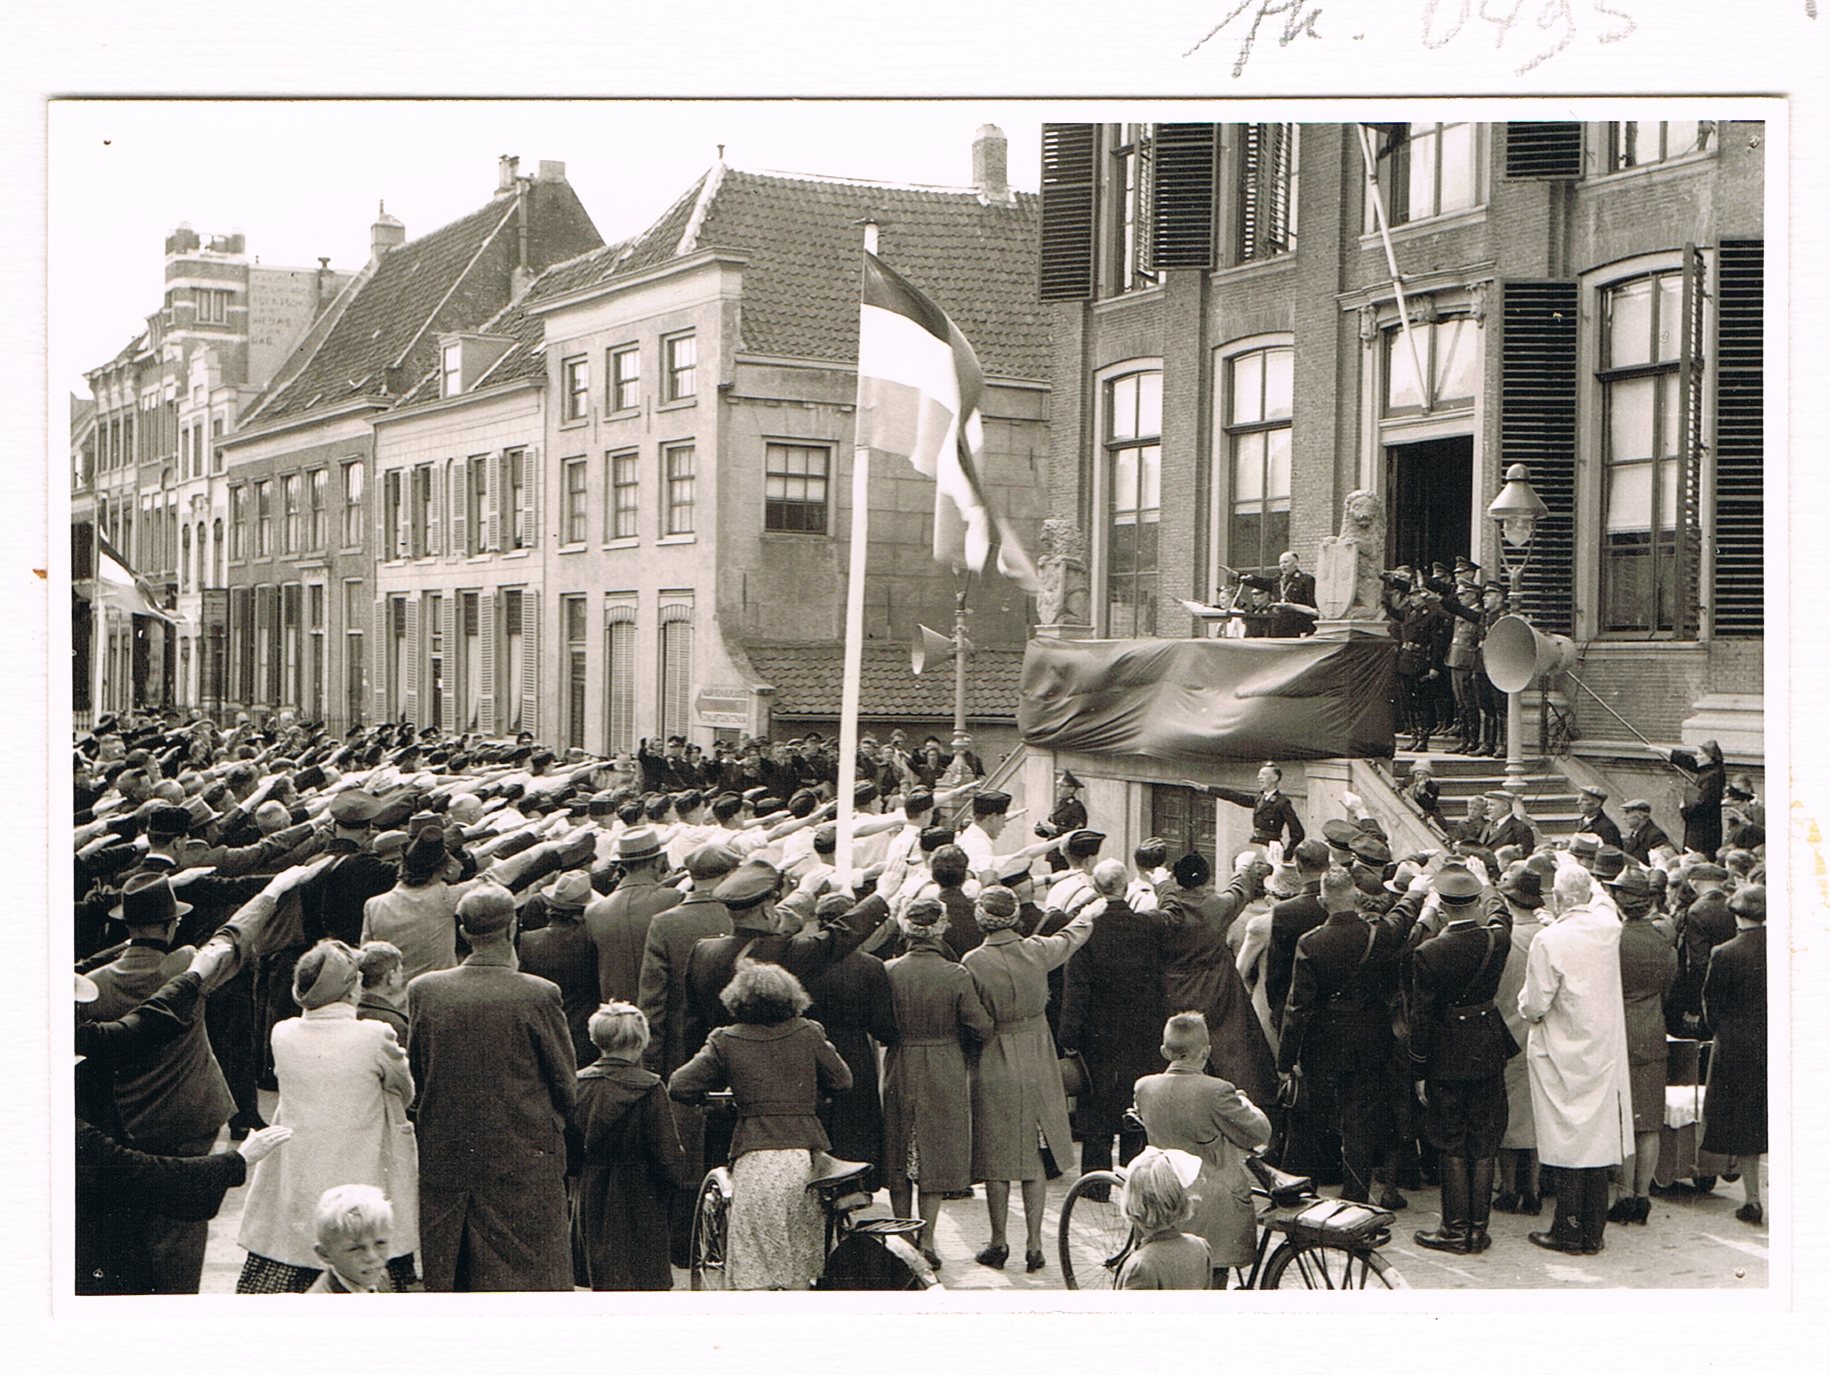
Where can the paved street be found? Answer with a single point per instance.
(1693, 1241)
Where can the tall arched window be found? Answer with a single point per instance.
(1133, 488)
(1258, 444)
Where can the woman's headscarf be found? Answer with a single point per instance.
(325, 974)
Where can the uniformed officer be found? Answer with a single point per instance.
(1272, 813)
(331, 904)
(1421, 628)
(1459, 1048)
(1337, 1028)
(1489, 699)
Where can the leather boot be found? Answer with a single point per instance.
(1453, 1234)
(1480, 1197)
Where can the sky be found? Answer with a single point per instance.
(304, 179)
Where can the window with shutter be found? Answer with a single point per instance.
(1538, 428)
(676, 670)
(1543, 151)
(1182, 195)
(619, 678)
(1128, 218)
(492, 500)
(383, 661)
(486, 663)
(1267, 190)
(410, 660)
(530, 661)
(533, 486)
(1068, 169)
(1740, 495)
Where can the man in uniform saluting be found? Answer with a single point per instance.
(1459, 1049)
(1272, 812)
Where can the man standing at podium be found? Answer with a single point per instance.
(1293, 588)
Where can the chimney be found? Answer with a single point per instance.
(387, 232)
(506, 169)
(551, 171)
(989, 175)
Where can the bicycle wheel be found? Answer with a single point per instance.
(710, 1231)
(1095, 1237)
(1329, 1267)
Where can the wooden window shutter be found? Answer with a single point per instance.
(1068, 174)
(384, 661)
(532, 480)
(402, 479)
(1543, 152)
(457, 489)
(1266, 164)
(1740, 584)
(1691, 366)
(486, 667)
(409, 696)
(435, 507)
(1181, 230)
(1538, 428)
(493, 473)
(448, 659)
(530, 661)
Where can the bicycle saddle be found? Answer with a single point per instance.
(1283, 1188)
(833, 1172)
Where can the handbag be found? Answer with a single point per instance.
(1074, 1081)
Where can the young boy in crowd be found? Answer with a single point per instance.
(354, 1223)
(384, 982)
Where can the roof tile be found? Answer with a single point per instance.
(808, 679)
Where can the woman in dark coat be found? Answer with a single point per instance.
(851, 999)
(1734, 1010)
(927, 1094)
(1648, 964)
(1702, 806)
(627, 1157)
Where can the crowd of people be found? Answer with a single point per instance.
(514, 1005)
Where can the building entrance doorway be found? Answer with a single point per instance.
(1429, 491)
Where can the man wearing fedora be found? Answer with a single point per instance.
(563, 951)
(618, 924)
(1459, 1046)
(174, 1101)
(491, 1053)
(419, 912)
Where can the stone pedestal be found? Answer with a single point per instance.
(1328, 628)
(1064, 632)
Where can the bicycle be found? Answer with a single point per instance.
(1330, 1244)
(861, 1252)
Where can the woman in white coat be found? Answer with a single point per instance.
(1581, 1098)
(344, 1091)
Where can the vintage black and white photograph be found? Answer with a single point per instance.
(1000, 697)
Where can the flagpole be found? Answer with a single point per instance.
(854, 608)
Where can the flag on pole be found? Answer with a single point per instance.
(919, 391)
(119, 586)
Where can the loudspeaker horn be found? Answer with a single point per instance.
(1516, 652)
(929, 647)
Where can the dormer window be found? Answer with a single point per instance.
(452, 369)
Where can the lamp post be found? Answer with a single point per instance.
(958, 771)
(1517, 511)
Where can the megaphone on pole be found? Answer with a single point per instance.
(1515, 652)
(930, 646)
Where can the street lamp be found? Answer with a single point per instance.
(931, 646)
(1515, 652)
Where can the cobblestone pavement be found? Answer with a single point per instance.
(1693, 1241)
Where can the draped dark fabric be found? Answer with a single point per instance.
(1206, 699)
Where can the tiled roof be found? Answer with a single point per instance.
(801, 237)
(391, 311)
(808, 679)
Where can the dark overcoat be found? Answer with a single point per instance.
(1734, 1007)
(1113, 1009)
(852, 1000)
(629, 1162)
(927, 1095)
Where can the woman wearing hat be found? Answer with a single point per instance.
(927, 1096)
(1648, 964)
(1702, 805)
(1018, 1106)
(344, 1090)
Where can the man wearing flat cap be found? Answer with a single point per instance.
(1273, 814)
(563, 952)
(618, 924)
(492, 1055)
(1641, 835)
(1459, 1047)
(1593, 820)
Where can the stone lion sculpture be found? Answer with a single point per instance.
(1361, 546)
(1064, 599)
